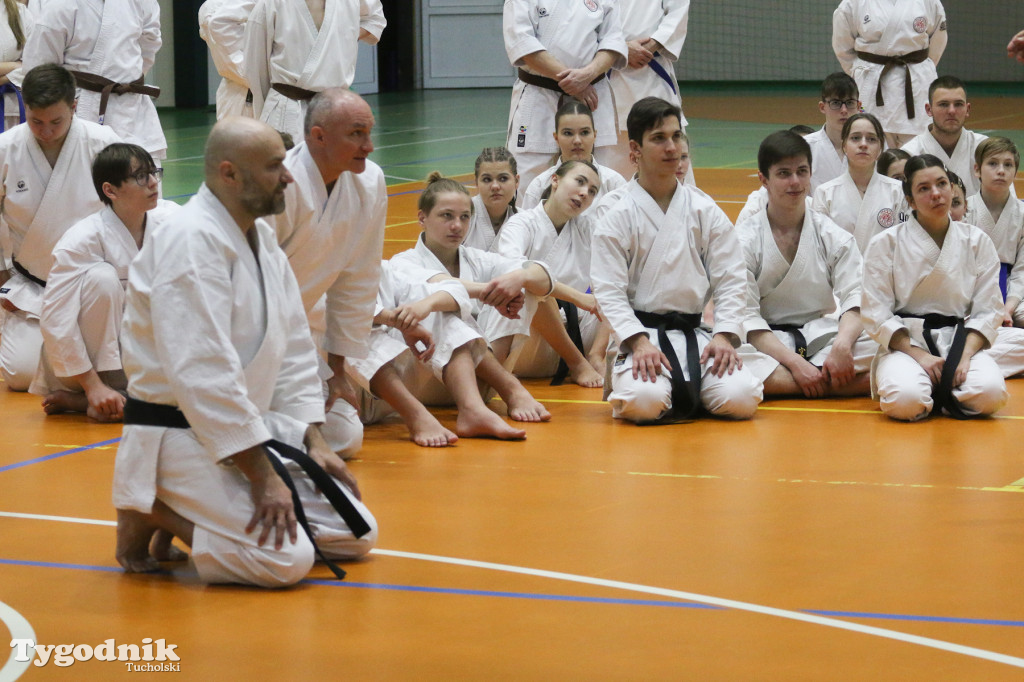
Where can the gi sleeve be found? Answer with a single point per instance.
(259, 45)
(1015, 283)
(226, 31)
(671, 32)
(986, 312)
(46, 42)
(519, 29)
(610, 36)
(611, 253)
(844, 35)
(150, 39)
(371, 18)
(746, 233)
(726, 271)
(62, 304)
(844, 265)
(878, 297)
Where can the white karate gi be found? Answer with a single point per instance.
(219, 333)
(962, 160)
(530, 235)
(757, 201)
(481, 234)
(116, 39)
(451, 331)
(283, 45)
(888, 28)
(905, 271)
(826, 269)
(83, 301)
(9, 52)
(882, 206)
(826, 162)
(572, 31)
(39, 204)
(674, 261)
(334, 244)
(479, 266)
(610, 181)
(222, 26)
(1008, 237)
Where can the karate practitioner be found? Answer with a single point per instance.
(655, 31)
(658, 256)
(558, 232)
(207, 411)
(891, 162)
(931, 301)
(799, 264)
(758, 199)
(110, 46)
(891, 49)
(862, 201)
(574, 134)
(16, 21)
(45, 187)
(425, 350)
(496, 283)
(83, 302)
(297, 48)
(958, 205)
(332, 231)
(561, 50)
(946, 137)
(222, 27)
(497, 181)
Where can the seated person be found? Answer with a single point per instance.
(799, 264)
(931, 300)
(891, 163)
(575, 134)
(862, 201)
(758, 199)
(83, 302)
(496, 282)
(557, 232)
(658, 256)
(424, 349)
(497, 181)
(958, 206)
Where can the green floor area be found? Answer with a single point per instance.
(421, 131)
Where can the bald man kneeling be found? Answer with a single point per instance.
(224, 399)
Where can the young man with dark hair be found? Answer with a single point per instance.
(799, 264)
(45, 165)
(80, 368)
(947, 138)
(659, 255)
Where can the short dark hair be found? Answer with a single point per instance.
(888, 158)
(946, 83)
(839, 85)
(782, 144)
(955, 180)
(919, 163)
(114, 165)
(801, 129)
(46, 85)
(648, 113)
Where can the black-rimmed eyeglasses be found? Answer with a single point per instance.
(142, 176)
(837, 104)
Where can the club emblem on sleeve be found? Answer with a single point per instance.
(920, 24)
(591, 5)
(886, 217)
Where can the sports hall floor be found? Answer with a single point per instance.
(819, 541)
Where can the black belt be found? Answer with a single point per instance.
(944, 397)
(799, 340)
(546, 83)
(294, 92)
(888, 63)
(28, 275)
(143, 413)
(105, 86)
(572, 326)
(685, 394)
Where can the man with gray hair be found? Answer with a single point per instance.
(224, 400)
(332, 231)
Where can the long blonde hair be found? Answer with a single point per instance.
(14, 21)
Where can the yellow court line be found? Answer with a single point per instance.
(410, 241)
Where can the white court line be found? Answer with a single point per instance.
(441, 139)
(20, 629)
(659, 591)
(399, 177)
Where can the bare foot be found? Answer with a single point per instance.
(585, 375)
(163, 549)
(483, 423)
(65, 401)
(102, 418)
(427, 432)
(134, 532)
(598, 363)
(522, 407)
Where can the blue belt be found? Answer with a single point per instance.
(6, 88)
(663, 74)
(1004, 276)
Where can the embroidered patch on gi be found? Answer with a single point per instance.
(620, 359)
(867, 18)
(920, 24)
(591, 5)
(21, 186)
(5, 290)
(886, 217)
(542, 12)
(521, 140)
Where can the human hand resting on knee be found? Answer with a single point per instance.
(321, 453)
(647, 358)
(270, 496)
(726, 359)
(972, 345)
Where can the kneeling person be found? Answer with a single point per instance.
(83, 302)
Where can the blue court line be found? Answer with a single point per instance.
(555, 597)
(18, 465)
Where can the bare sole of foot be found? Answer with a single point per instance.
(427, 432)
(485, 424)
(162, 547)
(586, 376)
(134, 533)
(59, 402)
(524, 408)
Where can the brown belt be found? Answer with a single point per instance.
(891, 62)
(105, 86)
(546, 83)
(294, 92)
